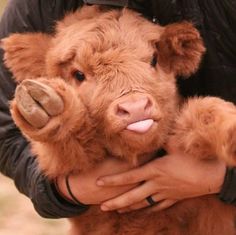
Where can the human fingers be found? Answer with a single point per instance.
(164, 204)
(156, 198)
(132, 176)
(160, 204)
(129, 198)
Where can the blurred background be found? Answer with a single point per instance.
(2, 5)
(17, 215)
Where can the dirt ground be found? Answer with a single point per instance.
(17, 216)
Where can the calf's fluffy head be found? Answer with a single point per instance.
(122, 66)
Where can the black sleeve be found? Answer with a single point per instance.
(228, 191)
(16, 160)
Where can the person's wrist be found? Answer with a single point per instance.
(64, 189)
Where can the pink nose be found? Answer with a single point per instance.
(136, 109)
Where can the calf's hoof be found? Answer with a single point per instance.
(37, 102)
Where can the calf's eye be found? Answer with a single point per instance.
(154, 60)
(79, 75)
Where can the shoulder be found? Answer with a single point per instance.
(34, 15)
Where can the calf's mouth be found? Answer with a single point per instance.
(141, 126)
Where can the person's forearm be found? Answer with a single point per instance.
(16, 160)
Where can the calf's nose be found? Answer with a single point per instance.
(134, 110)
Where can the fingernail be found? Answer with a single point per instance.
(100, 182)
(104, 208)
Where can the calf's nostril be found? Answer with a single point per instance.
(148, 105)
(122, 111)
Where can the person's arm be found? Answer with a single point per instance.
(167, 180)
(50, 200)
(16, 160)
(227, 193)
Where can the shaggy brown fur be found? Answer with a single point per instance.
(73, 124)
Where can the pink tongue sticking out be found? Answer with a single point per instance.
(141, 126)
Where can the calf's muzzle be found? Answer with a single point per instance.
(136, 111)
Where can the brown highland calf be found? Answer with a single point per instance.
(105, 83)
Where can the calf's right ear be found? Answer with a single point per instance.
(24, 54)
(180, 49)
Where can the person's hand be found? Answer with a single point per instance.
(168, 179)
(84, 187)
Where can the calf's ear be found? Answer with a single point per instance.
(180, 49)
(24, 54)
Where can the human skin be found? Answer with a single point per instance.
(168, 180)
(85, 189)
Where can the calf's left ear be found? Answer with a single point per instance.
(180, 49)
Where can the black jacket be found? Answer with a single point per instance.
(216, 21)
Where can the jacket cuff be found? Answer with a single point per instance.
(62, 198)
(228, 190)
(54, 205)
